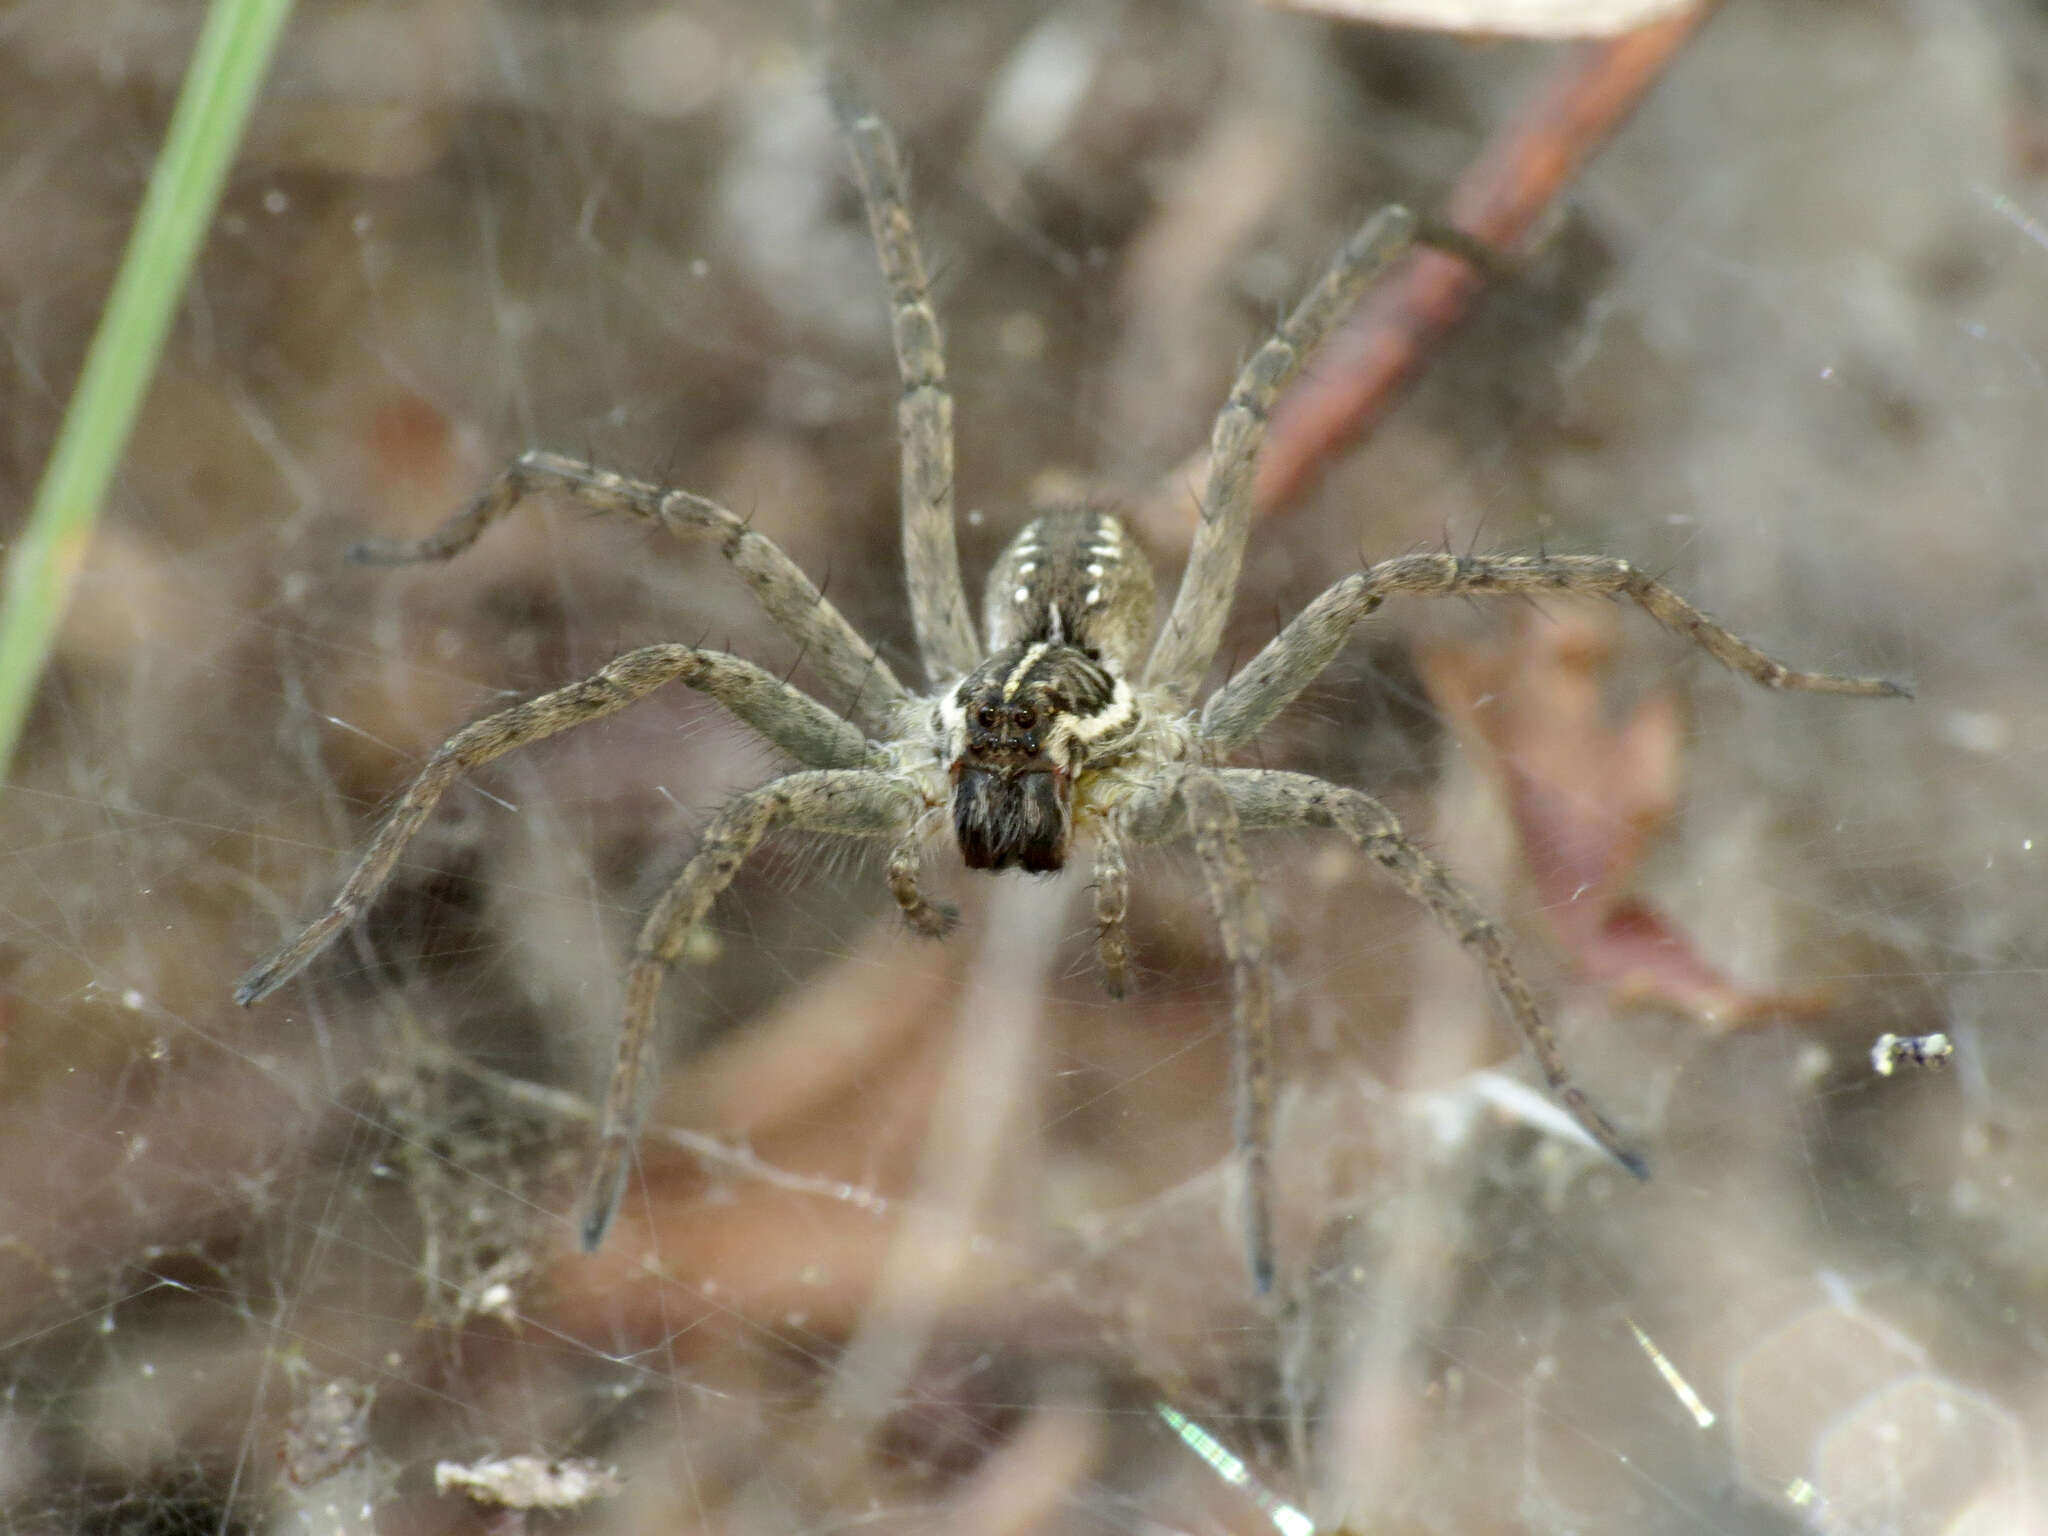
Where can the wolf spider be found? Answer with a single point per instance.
(1050, 723)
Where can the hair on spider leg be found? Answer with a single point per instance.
(869, 671)
(1479, 526)
(802, 651)
(853, 700)
(825, 586)
(939, 270)
(668, 465)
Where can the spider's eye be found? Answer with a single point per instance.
(986, 718)
(1023, 719)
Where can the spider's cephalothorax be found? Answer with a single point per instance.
(1068, 605)
(1056, 721)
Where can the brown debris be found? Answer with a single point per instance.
(1509, 188)
(1588, 798)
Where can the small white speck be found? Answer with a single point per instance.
(1094, 596)
(275, 201)
(133, 999)
(496, 1300)
(1095, 571)
(1021, 595)
(1027, 567)
(974, 517)
(700, 268)
(361, 223)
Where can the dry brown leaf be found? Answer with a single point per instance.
(1588, 797)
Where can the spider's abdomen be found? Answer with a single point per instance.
(1076, 577)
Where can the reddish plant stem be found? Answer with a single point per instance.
(1386, 343)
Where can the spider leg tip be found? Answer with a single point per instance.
(256, 985)
(931, 919)
(1634, 1162)
(1867, 687)
(387, 552)
(601, 1201)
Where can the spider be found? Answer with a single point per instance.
(1050, 724)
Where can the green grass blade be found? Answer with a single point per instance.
(226, 72)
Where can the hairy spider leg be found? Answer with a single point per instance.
(924, 413)
(801, 726)
(1271, 680)
(1241, 919)
(932, 919)
(853, 804)
(1271, 798)
(1112, 901)
(1194, 628)
(855, 674)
